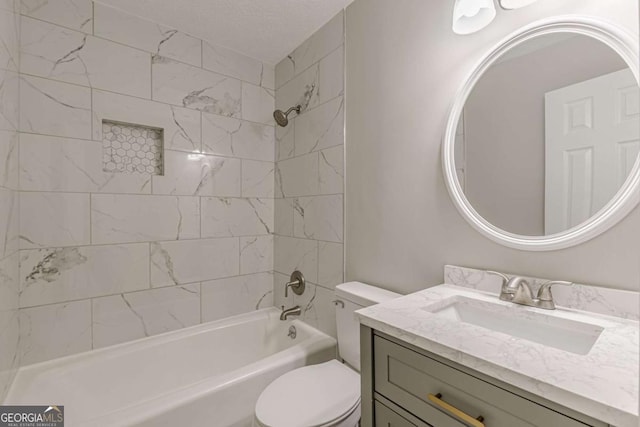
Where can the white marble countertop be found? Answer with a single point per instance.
(602, 384)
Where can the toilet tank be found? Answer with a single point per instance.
(354, 296)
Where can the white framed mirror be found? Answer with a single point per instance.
(541, 149)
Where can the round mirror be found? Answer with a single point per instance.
(542, 144)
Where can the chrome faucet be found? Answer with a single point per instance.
(517, 290)
(293, 311)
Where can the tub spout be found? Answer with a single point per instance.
(293, 311)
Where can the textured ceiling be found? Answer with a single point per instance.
(264, 29)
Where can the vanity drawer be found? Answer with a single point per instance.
(408, 378)
(386, 417)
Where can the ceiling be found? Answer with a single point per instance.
(263, 29)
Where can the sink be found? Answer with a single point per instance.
(564, 334)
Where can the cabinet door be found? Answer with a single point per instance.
(385, 417)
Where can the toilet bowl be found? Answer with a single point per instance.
(327, 394)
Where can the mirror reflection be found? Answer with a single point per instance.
(549, 134)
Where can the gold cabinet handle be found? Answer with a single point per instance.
(437, 400)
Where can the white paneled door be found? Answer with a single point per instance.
(591, 143)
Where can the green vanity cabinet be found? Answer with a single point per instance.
(406, 386)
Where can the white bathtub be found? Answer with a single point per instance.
(206, 375)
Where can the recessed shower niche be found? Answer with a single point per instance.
(132, 148)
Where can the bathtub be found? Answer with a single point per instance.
(206, 375)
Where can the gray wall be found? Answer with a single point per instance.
(504, 128)
(404, 66)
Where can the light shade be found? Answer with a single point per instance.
(470, 16)
(515, 4)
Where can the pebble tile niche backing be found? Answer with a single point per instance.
(132, 148)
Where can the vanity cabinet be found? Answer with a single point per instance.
(406, 386)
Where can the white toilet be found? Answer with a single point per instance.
(328, 394)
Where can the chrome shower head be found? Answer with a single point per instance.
(282, 118)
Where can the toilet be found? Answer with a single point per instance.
(327, 394)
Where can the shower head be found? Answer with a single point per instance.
(282, 118)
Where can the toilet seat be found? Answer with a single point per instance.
(312, 396)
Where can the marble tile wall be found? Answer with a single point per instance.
(107, 257)
(9, 195)
(309, 174)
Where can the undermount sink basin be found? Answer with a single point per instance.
(568, 335)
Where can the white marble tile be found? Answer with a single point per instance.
(181, 125)
(292, 254)
(268, 79)
(236, 295)
(258, 104)
(331, 171)
(9, 40)
(66, 274)
(297, 176)
(332, 76)
(303, 90)
(198, 175)
(231, 63)
(55, 108)
(321, 127)
(9, 283)
(10, 5)
(257, 179)
(256, 254)
(320, 44)
(227, 136)
(317, 308)
(157, 39)
(285, 141)
(189, 261)
(9, 159)
(9, 222)
(330, 264)
(279, 301)
(127, 317)
(61, 164)
(9, 349)
(180, 84)
(57, 53)
(285, 71)
(54, 219)
(52, 331)
(284, 217)
(226, 217)
(74, 14)
(319, 218)
(127, 218)
(9, 100)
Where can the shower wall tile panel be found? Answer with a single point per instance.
(193, 87)
(309, 174)
(226, 136)
(156, 39)
(135, 315)
(57, 53)
(9, 195)
(73, 14)
(99, 257)
(50, 163)
(236, 295)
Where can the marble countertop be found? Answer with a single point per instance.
(602, 384)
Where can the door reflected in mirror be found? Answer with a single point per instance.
(549, 134)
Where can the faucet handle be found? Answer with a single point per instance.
(504, 277)
(544, 293)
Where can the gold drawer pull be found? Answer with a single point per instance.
(437, 400)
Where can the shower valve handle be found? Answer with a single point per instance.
(296, 283)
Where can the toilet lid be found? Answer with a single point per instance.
(311, 396)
